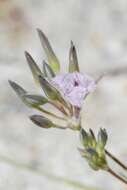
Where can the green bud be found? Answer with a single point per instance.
(84, 137)
(92, 154)
(87, 139)
(73, 60)
(92, 139)
(47, 70)
(33, 67)
(94, 166)
(102, 138)
(41, 121)
(52, 59)
(95, 160)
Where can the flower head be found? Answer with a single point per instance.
(74, 86)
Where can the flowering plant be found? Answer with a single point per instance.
(66, 93)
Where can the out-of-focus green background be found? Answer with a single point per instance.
(99, 31)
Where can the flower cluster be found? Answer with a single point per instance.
(94, 149)
(66, 92)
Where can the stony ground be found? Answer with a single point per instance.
(99, 30)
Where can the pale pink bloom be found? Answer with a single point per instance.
(74, 86)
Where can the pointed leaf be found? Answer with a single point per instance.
(35, 100)
(47, 70)
(102, 138)
(42, 121)
(84, 136)
(18, 89)
(33, 67)
(49, 90)
(52, 59)
(73, 60)
(92, 139)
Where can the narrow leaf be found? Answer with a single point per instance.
(84, 137)
(33, 67)
(47, 70)
(35, 100)
(50, 91)
(52, 59)
(41, 121)
(73, 60)
(18, 89)
(102, 138)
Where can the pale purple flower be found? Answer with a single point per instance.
(74, 86)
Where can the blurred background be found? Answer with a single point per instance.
(32, 158)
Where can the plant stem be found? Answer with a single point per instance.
(49, 113)
(116, 160)
(59, 107)
(116, 176)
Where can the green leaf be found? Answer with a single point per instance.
(102, 138)
(33, 67)
(94, 166)
(19, 90)
(49, 90)
(92, 139)
(52, 59)
(41, 121)
(87, 139)
(84, 137)
(73, 60)
(47, 70)
(35, 100)
(29, 99)
(92, 153)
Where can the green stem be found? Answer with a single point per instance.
(51, 114)
(63, 180)
(59, 107)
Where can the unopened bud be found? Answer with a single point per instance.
(41, 121)
(73, 60)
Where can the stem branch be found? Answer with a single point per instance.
(116, 160)
(51, 114)
(117, 176)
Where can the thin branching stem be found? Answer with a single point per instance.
(116, 160)
(50, 114)
(59, 107)
(117, 176)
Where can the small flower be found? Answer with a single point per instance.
(74, 86)
(66, 92)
